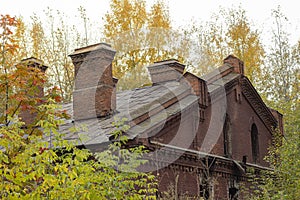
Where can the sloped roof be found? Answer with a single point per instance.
(133, 104)
(139, 105)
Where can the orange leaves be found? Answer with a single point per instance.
(57, 98)
(54, 93)
(7, 19)
(26, 107)
(41, 150)
(8, 43)
(22, 86)
(6, 25)
(18, 97)
(28, 77)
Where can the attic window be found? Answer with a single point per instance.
(254, 143)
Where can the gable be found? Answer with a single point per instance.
(242, 116)
(224, 80)
(257, 104)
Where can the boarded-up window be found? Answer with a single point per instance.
(254, 143)
(227, 137)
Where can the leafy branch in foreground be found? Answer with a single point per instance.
(32, 167)
(36, 159)
(283, 181)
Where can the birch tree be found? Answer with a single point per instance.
(138, 36)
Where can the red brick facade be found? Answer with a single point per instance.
(226, 135)
(202, 132)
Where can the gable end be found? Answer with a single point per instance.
(257, 103)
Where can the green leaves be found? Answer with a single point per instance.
(283, 95)
(283, 181)
(30, 168)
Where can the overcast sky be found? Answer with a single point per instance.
(181, 11)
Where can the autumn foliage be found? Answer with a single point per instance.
(36, 160)
(30, 169)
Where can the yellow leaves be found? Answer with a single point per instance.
(229, 32)
(125, 15)
(138, 36)
(37, 35)
(246, 45)
(35, 175)
(159, 16)
(8, 44)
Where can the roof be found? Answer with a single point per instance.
(148, 108)
(132, 104)
(142, 107)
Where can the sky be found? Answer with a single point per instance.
(181, 12)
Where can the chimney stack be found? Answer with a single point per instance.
(32, 62)
(237, 64)
(167, 70)
(94, 94)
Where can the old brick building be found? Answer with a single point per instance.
(203, 132)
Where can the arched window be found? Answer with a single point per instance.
(227, 137)
(254, 143)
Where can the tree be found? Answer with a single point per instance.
(282, 73)
(283, 181)
(37, 162)
(245, 44)
(37, 37)
(229, 32)
(139, 38)
(8, 46)
(54, 49)
(282, 93)
(21, 38)
(34, 168)
(53, 46)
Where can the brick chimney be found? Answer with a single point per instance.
(167, 70)
(32, 62)
(237, 64)
(94, 94)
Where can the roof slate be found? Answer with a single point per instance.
(134, 103)
(150, 101)
(131, 104)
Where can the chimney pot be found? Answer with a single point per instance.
(35, 63)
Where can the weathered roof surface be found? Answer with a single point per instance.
(152, 102)
(132, 104)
